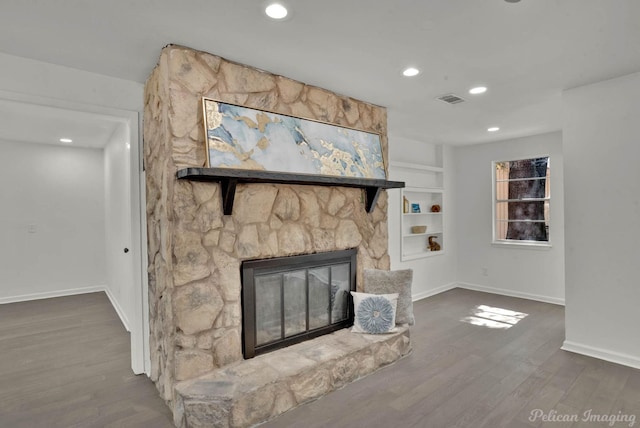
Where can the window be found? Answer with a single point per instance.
(521, 201)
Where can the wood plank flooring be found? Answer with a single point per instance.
(463, 375)
(65, 363)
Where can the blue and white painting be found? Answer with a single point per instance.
(241, 137)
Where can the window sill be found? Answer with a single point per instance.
(522, 245)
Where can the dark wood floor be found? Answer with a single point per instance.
(65, 363)
(464, 375)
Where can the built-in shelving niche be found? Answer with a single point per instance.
(425, 189)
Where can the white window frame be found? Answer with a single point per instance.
(543, 245)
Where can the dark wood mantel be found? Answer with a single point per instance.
(229, 178)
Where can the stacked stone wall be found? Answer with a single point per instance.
(195, 252)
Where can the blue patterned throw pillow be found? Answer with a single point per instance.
(374, 313)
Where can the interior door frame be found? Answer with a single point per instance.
(139, 323)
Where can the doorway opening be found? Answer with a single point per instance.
(74, 223)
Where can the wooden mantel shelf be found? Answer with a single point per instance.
(229, 178)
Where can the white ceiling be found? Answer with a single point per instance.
(46, 125)
(526, 53)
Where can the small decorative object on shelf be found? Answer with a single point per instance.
(415, 208)
(418, 229)
(433, 245)
(425, 181)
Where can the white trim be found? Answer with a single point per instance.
(52, 294)
(602, 354)
(139, 337)
(511, 293)
(433, 292)
(408, 165)
(134, 117)
(523, 245)
(422, 254)
(544, 155)
(423, 190)
(118, 309)
(143, 260)
(514, 243)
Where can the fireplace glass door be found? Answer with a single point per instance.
(290, 299)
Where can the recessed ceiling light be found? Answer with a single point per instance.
(66, 140)
(493, 129)
(410, 72)
(276, 11)
(478, 90)
(512, 1)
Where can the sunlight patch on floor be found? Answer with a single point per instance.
(491, 317)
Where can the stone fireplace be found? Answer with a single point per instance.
(196, 252)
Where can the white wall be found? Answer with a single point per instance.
(119, 283)
(522, 272)
(40, 79)
(27, 80)
(431, 275)
(602, 188)
(59, 191)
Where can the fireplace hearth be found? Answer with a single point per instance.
(286, 300)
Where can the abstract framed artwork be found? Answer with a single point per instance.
(247, 138)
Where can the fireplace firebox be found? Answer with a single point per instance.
(286, 300)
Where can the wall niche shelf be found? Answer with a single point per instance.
(229, 178)
(425, 187)
(415, 245)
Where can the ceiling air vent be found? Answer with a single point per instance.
(451, 99)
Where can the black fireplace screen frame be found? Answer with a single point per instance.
(251, 268)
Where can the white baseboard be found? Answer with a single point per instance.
(602, 354)
(433, 292)
(118, 308)
(51, 294)
(511, 293)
